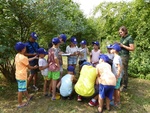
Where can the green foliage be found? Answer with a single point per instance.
(135, 16)
(48, 18)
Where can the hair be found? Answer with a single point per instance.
(124, 29)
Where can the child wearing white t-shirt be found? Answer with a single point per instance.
(43, 66)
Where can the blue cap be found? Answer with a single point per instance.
(42, 51)
(109, 46)
(71, 69)
(104, 57)
(85, 63)
(64, 37)
(55, 40)
(96, 42)
(34, 35)
(73, 40)
(20, 46)
(116, 47)
(83, 42)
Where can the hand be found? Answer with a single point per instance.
(35, 67)
(121, 45)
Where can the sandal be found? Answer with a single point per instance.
(22, 105)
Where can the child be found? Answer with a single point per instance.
(54, 65)
(85, 84)
(22, 63)
(43, 66)
(117, 70)
(107, 82)
(66, 83)
(73, 50)
(83, 52)
(109, 54)
(94, 56)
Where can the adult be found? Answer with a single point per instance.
(31, 50)
(127, 45)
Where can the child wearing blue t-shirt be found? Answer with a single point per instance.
(117, 71)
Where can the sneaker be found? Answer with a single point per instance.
(91, 103)
(79, 98)
(35, 88)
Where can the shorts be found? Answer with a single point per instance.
(118, 83)
(61, 68)
(46, 78)
(22, 85)
(54, 75)
(106, 91)
(72, 60)
(33, 63)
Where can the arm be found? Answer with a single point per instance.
(129, 48)
(29, 54)
(31, 67)
(119, 71)
(74, 80)
(35, 57)
(43, 67)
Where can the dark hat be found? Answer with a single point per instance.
(34, 35)
(42, 51)
(55, 40)
(20, 46)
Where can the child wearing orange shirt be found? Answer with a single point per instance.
(22, 64)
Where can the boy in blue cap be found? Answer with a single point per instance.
(43, 66)
(107, 82)
(54, 65)
(22, 64)
(31, 50)
(66, 83)
(117, 70)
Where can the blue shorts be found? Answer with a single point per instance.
(118, 83)
(106, 91)
(22, 85)
(72, 60)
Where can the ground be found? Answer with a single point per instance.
(135, 100)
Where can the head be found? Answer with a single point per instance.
(71, 70)
(62, 38)
(86, 63)
(56, 41)
(108, 48)
(20, 47)
(83, 43)
(73, 41)
(103, 58)
(115, 48)
(33, 37)
(96, 45)
(42, 52)
(123, 31)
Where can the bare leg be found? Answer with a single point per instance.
(45, 86)
(101, 101)
(29, 79)
(35, 79)
(107, 103)
(50, 86)
(54, 82)
(115, 96)
(20, 98)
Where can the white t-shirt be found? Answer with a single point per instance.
(117, 60)
(71, 50)
(84, 52)
(43, 62)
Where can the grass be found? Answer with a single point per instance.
(135, 100)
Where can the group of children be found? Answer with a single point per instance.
(106, 69)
